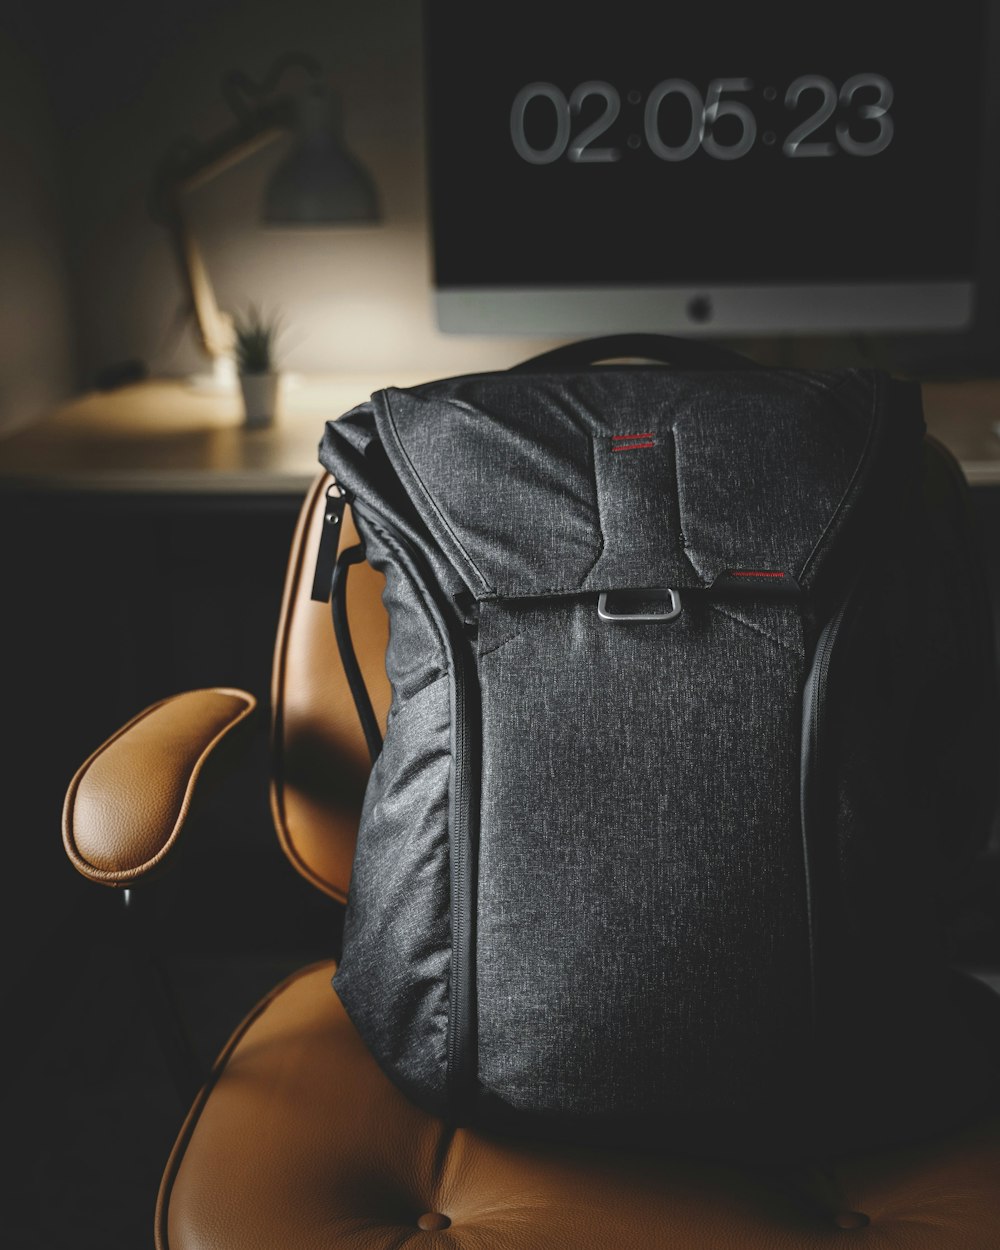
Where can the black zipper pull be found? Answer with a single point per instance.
(329, 540)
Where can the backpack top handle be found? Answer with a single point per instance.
(662, 348)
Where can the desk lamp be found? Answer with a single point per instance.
(318, 183)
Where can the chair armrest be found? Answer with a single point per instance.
(126, 806)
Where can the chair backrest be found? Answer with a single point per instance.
(320, 762)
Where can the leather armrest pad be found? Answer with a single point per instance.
(127, 804)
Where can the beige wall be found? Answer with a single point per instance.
(36, 349)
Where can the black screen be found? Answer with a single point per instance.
(650, 144)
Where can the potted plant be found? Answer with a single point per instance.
(256, 364)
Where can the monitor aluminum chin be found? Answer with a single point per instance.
(848, 308)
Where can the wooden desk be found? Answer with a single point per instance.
(168, 436)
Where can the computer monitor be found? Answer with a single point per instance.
(707, 168)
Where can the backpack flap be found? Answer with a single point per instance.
(624, 479)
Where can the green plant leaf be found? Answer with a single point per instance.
(256, 338)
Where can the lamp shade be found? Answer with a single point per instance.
(319, 181)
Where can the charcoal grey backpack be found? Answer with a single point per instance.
(693, 734)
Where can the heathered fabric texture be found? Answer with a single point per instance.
(636, 923)
(393, 977)
(677, 878)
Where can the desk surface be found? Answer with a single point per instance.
(172, 436)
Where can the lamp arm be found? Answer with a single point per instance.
(215, 328)
(195, 167)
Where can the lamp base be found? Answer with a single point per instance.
(222, 379)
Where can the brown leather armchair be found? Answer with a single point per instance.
(297, 1140)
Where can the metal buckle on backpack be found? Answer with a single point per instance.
(673, 598)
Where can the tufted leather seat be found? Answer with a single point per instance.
(299, 1141)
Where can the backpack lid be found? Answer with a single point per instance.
(618, 478)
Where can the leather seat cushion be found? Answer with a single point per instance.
(300, 1141)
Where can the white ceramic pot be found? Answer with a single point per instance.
(260, 398)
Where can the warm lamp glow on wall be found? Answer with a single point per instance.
(319, 182)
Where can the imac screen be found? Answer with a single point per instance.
(734, 169)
